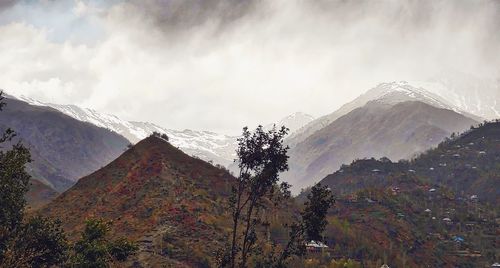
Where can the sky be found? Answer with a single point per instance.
(222, 64)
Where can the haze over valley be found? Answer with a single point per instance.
(228, 133)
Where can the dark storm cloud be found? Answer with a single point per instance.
(219, 58)
(5, 4)
(179, 15)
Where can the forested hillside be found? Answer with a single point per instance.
(437, 210)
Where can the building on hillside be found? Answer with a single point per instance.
(315, 246)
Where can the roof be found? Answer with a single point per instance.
(316, 244)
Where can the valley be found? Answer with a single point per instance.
(417, 193)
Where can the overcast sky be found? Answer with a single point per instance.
(222, 64)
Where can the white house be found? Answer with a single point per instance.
(315, 245)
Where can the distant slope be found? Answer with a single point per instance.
(394, 92)
(39, 194)
(206, 145)
(380, 128)
(468, 164)
(293, 122)
(173, 204)
(209, 146)
(63, 149)
(479, 96)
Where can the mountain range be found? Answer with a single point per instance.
(170, 196)
(394, 120)
(317, 146)
(207, 145)
(175, 206)
(392, 92)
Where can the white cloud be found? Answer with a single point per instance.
(284, 57)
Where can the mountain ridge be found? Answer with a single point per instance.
(62, 148)
(377, 129)
(390, 92)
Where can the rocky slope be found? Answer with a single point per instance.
(171, 203)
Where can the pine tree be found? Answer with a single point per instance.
(316, 208)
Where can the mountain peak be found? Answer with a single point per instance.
(396, 92)
(293, 121)
(388, 93)
(150, 191)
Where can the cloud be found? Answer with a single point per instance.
(6, 4)
(220, 65)
(178, 15)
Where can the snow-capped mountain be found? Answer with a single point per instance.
(478, 96)
(389, 93)
(293, 122)
(209, 146)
